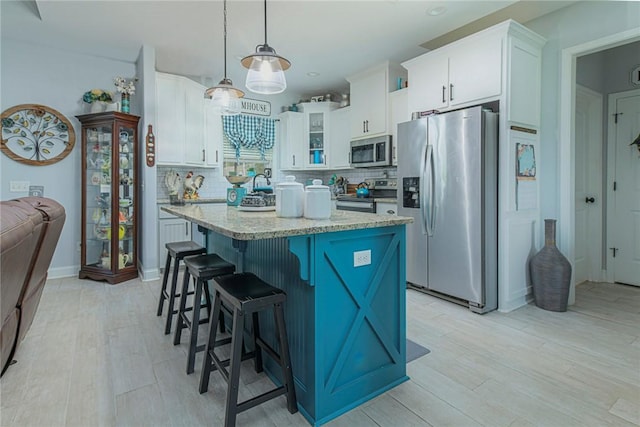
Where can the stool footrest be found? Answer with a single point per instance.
(268, 349)
(254, 401)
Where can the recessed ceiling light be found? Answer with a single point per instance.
(435, 11)
(313, 74)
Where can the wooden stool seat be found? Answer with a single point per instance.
(246, 294)
(203, 268)
(176, 251)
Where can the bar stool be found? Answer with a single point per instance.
(247, 295)
(176, 251)
(203, 268)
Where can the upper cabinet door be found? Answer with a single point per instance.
(475, 70)
(428, 82)
(340, 138)
(369, 104)
(195, 153)
(213, 137)
(290, 139)
(170, 120)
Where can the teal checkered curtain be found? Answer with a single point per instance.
(250, 132)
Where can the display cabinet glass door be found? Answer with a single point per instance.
(316, 139)
(99, 194)
(126, 198)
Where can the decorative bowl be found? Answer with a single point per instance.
(238, 180)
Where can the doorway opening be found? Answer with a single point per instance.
(568, 148)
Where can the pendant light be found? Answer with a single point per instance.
(224, 96)
(266, 67)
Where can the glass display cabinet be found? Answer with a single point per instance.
(109, 196)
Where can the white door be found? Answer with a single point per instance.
(588, 185)
(624, 234)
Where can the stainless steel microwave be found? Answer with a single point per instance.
(375, 151)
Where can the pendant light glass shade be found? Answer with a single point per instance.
(266, 67)
(224, 97)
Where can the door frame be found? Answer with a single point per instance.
(611, 154)
(595, 243)
(567, 143)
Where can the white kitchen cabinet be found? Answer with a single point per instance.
(213, 137)
(369, 98)
(170, 229)
(317, 133)
(195, 153)
(456, 75)
(398, 113)
(169, 126)
(386, 208)
(181, 131)
(340, 138)
(290, 140)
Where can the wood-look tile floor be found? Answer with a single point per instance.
(96, 355)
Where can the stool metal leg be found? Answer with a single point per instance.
(234, 369)
(208, 360)
(172, 296)
(195, 321)
(163, 289)
(285, 359)
(180, 324)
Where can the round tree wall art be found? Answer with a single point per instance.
(36, 135)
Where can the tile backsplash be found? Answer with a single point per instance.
(215, 185)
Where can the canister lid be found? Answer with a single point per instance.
(289, 182)
(317, 186)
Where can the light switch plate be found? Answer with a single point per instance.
(18, 186)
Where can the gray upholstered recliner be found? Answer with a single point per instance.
(29, 231)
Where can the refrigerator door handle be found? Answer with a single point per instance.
(425, 209)
(431, 205)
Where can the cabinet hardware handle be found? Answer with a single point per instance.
(363, 130)
(186, 228)
(444, 88)
(391, 212)
(294, 160)
(590, 200)
(614, 251)
(203, 155)
(216, 156)
(450, 91)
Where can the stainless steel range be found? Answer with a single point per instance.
(378, 188)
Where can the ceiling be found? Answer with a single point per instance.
(332, 38)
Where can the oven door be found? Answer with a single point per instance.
(358, 206)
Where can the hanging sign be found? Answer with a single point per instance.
(255, 107)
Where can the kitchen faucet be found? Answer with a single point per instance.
(254, 180)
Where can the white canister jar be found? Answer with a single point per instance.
(289, 198)
(317, 203)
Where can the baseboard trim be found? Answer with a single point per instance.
(60, 272)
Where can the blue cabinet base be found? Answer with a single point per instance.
(346, 324)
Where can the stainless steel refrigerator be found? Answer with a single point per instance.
(448, 183)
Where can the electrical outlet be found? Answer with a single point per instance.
(18, 186)
(361, 258)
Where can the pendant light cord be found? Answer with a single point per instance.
(225, 39)
(265, 22)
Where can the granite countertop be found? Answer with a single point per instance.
(241, 225)
(197, 201)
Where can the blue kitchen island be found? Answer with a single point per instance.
(345, 323)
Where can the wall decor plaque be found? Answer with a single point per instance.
(36, 135)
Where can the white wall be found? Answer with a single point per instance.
(571, 26)
(58, 79)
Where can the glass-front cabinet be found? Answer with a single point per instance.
(316, 133)
(109, 196)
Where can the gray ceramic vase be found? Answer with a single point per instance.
(550, 273)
